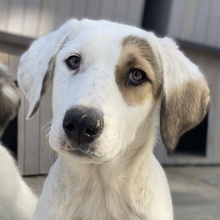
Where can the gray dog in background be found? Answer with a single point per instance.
(17, 201)
(9, 98)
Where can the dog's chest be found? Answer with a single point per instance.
(86, 196)
(94, 200)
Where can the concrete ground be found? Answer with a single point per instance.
(195, 191)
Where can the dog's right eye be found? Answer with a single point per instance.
(73, 62)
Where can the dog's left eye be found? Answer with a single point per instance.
(73, 62)
(136, 76)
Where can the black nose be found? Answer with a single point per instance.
(83, 125)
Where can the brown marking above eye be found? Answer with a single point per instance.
(137, 54)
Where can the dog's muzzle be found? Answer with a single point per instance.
(83, 125)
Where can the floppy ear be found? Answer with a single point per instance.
(38, 63)
(186, 94)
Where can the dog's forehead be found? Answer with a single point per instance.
(103, 35)
(107, 29)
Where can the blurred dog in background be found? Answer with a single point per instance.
(9, 98)
(17, 201)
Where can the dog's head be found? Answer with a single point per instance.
(9, 98)
(108, 80)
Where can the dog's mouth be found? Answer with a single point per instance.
(80, 151)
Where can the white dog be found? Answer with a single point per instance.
(109, 80)
(17, 201)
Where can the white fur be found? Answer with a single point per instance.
(10, 93)
(126, 182)
(17, 201)
(3, 68)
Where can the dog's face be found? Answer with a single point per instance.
(9, 98)
(108, 81)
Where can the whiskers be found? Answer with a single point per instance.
(46, 128)
(45, 134)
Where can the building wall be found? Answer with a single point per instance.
(196, 21)
(34, 18)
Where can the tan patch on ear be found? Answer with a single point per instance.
(137, 53)
(185, 107)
